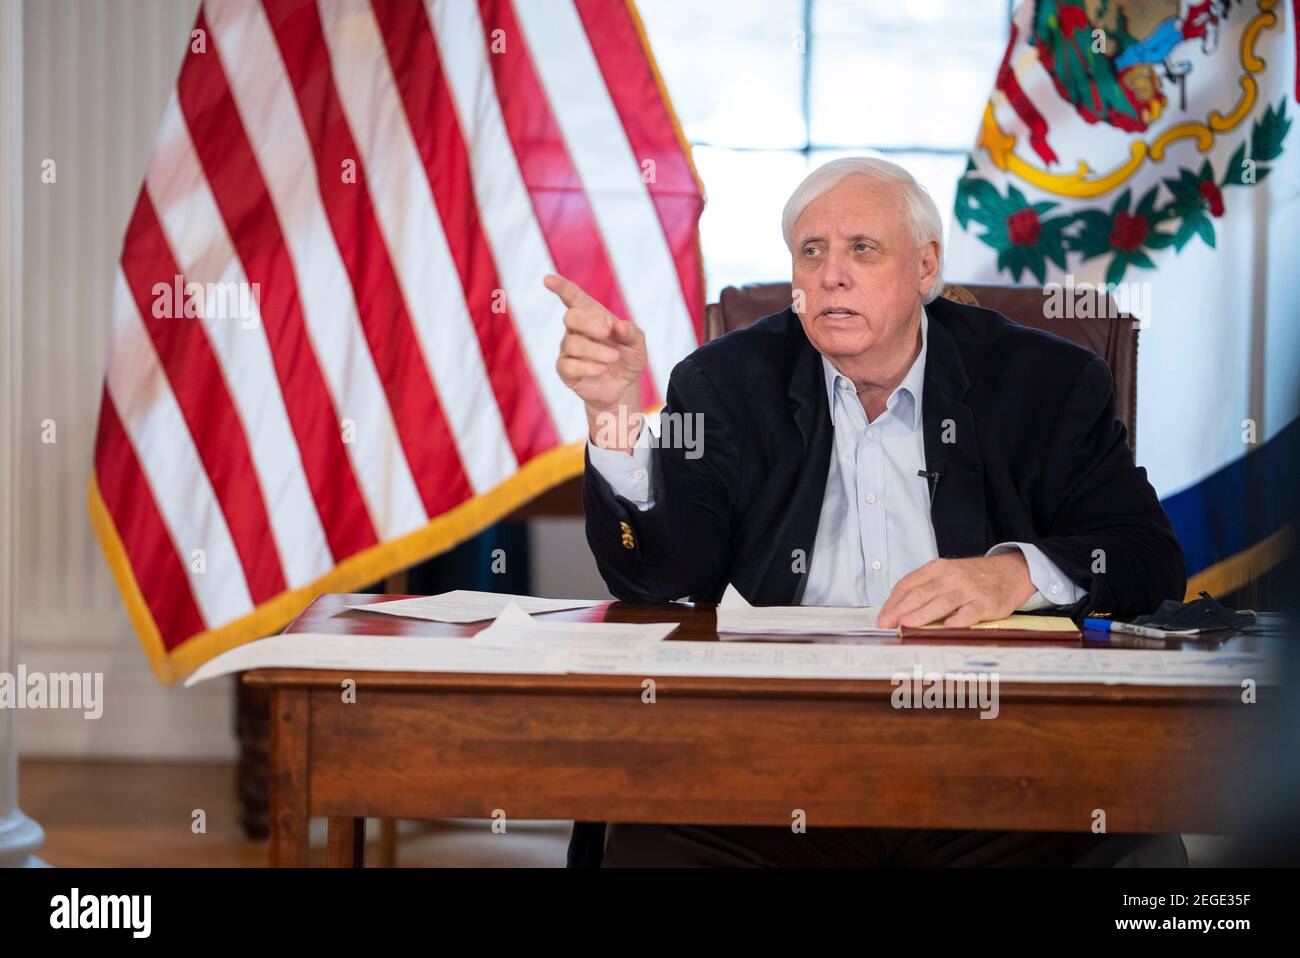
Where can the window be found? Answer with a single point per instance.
(767, 90)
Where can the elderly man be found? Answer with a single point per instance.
(871, 445)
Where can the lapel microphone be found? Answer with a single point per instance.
(933, 478)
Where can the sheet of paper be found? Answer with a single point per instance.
(354, 653)
(1024, 622)
(1033, 664)
(514, 628)
(463, 606)
(380, 653)
(736, 615)
(357, 653)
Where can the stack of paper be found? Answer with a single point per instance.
(509, 653)
(735, 615)
(514, 628)
(1033, 664)
(464, 606)
(516, 643)
(380, 653)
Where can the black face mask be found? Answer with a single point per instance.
(1205, 613)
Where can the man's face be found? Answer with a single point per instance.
(861, 272)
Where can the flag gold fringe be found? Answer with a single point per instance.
(368, 566)
(681, 136)
(663, 92)
(1240, 569)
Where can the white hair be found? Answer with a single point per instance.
(921, 211)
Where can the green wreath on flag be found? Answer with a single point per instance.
(1026, 237)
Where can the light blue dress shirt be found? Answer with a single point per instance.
(875, 524)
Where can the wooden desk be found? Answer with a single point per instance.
(737, 751)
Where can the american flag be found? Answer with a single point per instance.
(332, 352)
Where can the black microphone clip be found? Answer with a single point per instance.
(933, 478)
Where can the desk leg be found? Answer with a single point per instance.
(289, 785)
(346, 845)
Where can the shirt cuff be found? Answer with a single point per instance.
(1054, 589)
(627, 475)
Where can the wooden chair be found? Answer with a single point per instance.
(1114, 337)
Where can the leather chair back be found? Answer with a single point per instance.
(1113, 337)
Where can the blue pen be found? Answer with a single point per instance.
(1110, 625)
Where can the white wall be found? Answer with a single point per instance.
(95, 79)
(10, 386)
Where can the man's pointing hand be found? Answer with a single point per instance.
(601, 359)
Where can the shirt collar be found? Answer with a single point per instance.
(905, 401)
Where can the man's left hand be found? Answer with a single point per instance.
(960, 592)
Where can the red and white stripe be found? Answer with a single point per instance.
(390, 175)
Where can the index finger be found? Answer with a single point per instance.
(570, 293)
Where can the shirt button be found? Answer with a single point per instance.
(875, 565)
(638, 474)
(868, 433)
(1055, 588)
(871, 500)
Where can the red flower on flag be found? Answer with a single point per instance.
(1213, 197)
(1023, 227)
(1129, 231)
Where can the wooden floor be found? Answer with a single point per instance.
(137, 815)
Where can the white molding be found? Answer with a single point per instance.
(11, 300)
(11, 345)
(20, 837)
(100, 78)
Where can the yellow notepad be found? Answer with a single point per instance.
(1025, 622)
(1015, 626)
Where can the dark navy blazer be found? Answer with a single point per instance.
(1019, 424)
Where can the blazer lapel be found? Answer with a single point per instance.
(957, 508)
(779, 583)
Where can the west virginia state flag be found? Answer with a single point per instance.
(1152, 146)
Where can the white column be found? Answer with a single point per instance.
(20, 837)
